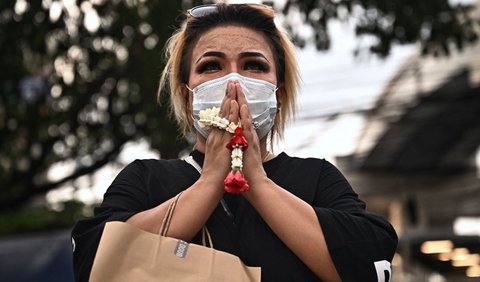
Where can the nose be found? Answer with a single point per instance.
(233, 67)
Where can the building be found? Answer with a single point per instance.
(417, 162)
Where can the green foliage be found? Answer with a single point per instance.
(78, 81)
(42, 218)
(436, 25)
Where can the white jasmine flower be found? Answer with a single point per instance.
(237, 164)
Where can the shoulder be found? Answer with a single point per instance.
(150, 164)
(313, 172)
(287, 162)
(145, 167)
(144, 183)
(318, 165)
(300, 176)
(151, 173)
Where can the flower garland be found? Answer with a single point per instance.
(209, 118)
(234, 183)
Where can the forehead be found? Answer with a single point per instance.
(232, 40)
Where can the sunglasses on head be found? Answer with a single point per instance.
(208, 9)
(202, 10)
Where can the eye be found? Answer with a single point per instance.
(208, 67)
(256, 66)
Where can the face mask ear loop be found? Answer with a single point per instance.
(187, 108)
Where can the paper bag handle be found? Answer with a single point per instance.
(206, 234)
(168, 217)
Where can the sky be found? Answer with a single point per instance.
(336, 87)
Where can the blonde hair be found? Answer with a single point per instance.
(179, 48)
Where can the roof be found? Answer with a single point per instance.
(427, 119)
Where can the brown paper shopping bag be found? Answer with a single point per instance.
(126, 253)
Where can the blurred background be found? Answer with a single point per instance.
(390, 94)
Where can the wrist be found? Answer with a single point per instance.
(258, 184)
(211, 182)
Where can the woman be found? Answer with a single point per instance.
(300, 220)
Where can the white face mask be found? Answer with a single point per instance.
(260, 95)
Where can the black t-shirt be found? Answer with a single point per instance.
(362, 245)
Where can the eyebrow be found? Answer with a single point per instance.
(253, 54)
(211, 54)
(222, 55)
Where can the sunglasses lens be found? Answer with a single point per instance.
(202, 11)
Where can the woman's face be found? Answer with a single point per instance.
(227, 49)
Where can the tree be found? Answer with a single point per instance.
(78, 81)
(79, 78)
(436, 25)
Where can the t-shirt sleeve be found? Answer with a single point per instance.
(362, 245)
(125, 197)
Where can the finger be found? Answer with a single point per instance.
(245, 116)
(224, 110)
(234, 89)
(245, 119)
(234, 112)
(242, 100)
(249, 132)
(229, 96)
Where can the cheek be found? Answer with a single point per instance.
(273, 80)
(272, 76)
(195, 80)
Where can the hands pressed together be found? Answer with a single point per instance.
(216, 166)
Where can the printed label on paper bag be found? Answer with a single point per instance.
(181, 249)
